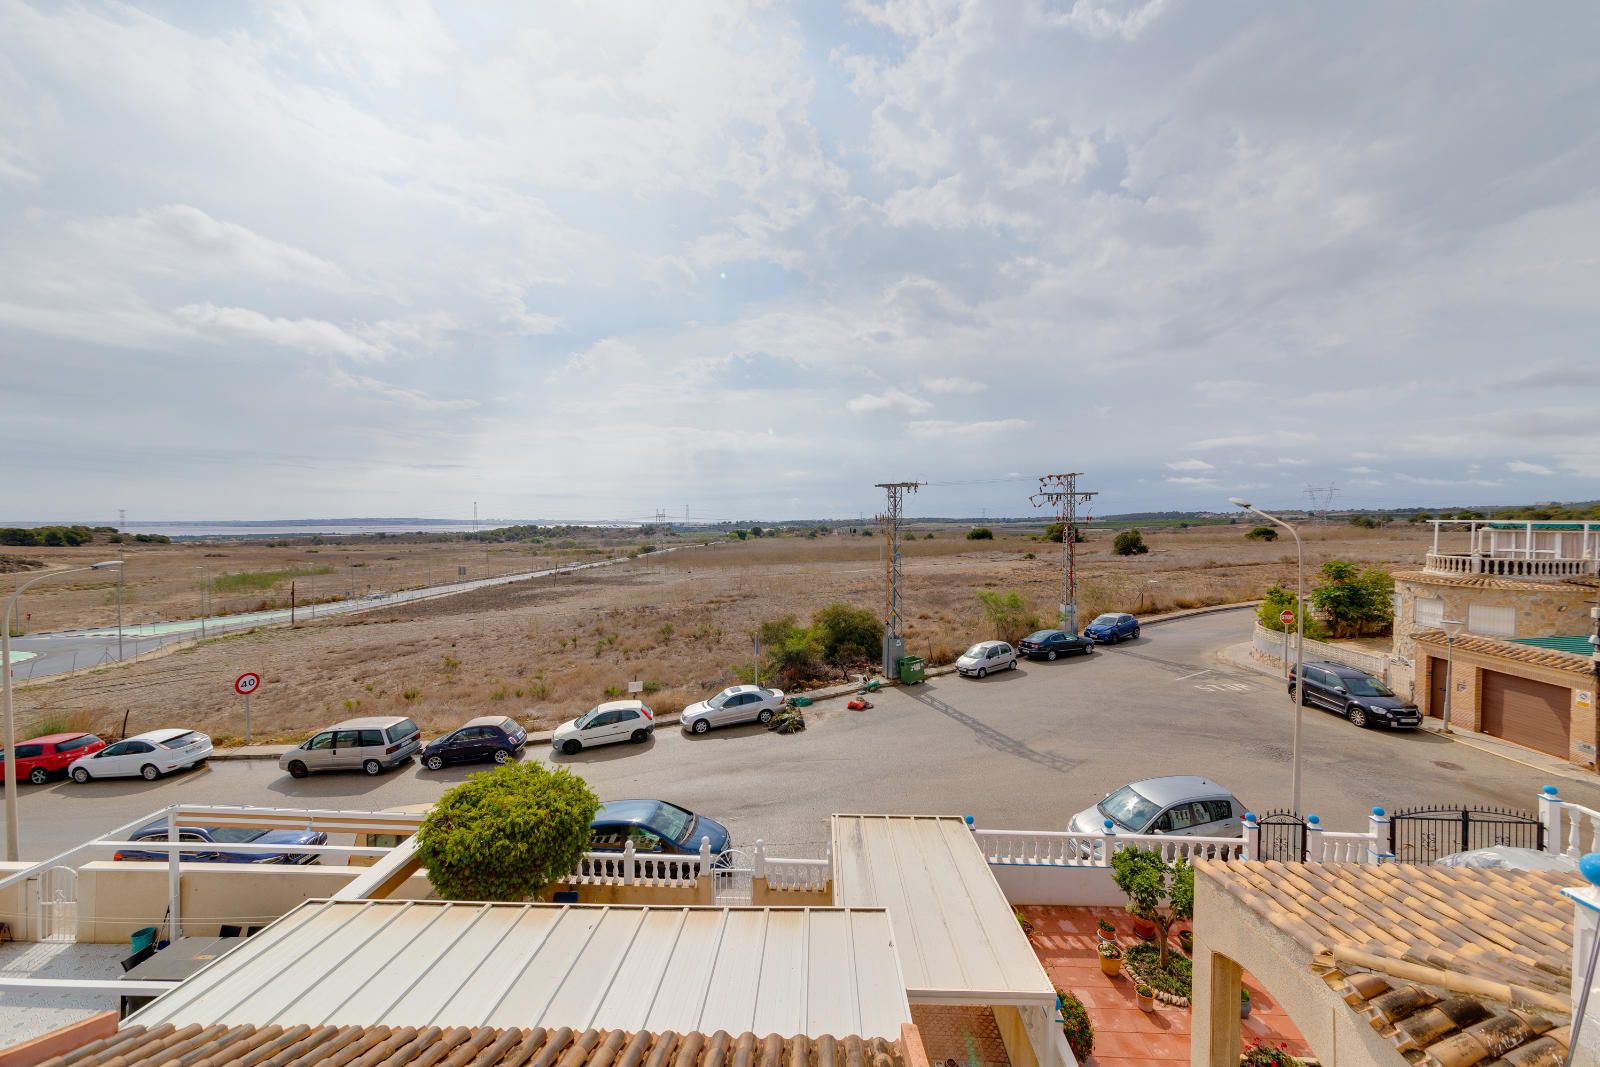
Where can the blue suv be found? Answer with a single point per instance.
(1112, 627)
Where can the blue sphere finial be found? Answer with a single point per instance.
(1589, 867)
(1377, 813)
(1312, 820)
(1110, 825)
(1249, 816)
(969, 820)
(1550, 791)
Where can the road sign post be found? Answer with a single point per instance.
(244, 685)
(1287, 618)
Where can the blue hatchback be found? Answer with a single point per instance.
(655, 827)
(222, 837)
(1112, 627)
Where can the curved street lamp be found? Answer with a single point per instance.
(10, 768)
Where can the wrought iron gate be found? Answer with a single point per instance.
(1283, 837)
(58, 904)
(1422, 835)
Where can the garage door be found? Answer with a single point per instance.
(1530, 713)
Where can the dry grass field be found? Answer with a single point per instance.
(547, 649)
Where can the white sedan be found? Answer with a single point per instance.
(739, 703)
(985, 658)
(148, 755)
(618, 720)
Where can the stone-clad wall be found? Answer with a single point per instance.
(1544, 609)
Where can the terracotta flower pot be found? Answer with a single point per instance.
(1144, 929)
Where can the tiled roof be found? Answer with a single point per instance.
(1485, 581)
(460, 1046)
(1496, 933)
(1578, 644)
(1521, 653)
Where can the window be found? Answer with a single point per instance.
(131, 747)
(321, 741)
(1491, 620)
(1427, 611)
(401, 730)
(188, 737)
(609, 839)
(78, 742)
(1177, 817)
(371, 738)
(27, 751)
(604, 718)
(625, 716)
(1128, 808)
(1215, 810)
(348, 739)
(645, 840)
(121, 748)
(673, 822)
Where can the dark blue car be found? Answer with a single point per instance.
(1112, 627)
(655, 827)
(223, 836)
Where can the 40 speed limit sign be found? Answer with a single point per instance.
(246, 683)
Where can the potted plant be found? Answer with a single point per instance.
(1106, 931)
(1110, 959)
(1244, 1003)
(1186, 941)
(1143, 928)
(1147, 998)
(1159, 892)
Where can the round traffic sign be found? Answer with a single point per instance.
(246, 683)
(1286, 616)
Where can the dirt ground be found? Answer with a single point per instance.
(548, 649)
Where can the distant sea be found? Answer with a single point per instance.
(215, 528)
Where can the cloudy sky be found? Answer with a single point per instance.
(332, 259)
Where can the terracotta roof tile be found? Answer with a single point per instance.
(1511, 650)
(1485, 581)
(378, 1046)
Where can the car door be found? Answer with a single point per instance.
(317, 754)
(1178, 819)
(601, 729)
(1319, 686)
(627, 722)
(736, 708)
(479, 742)
(1216, 819)
(346, 749)
(130, 757)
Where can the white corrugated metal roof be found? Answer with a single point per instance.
(790, 971)
(957, 935)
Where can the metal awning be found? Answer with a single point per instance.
(809, 971)
(957, 935)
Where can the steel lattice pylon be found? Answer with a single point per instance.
(891, 557)
(1062, 491)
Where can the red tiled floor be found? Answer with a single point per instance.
(1065, 942)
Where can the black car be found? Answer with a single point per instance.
(1356, 695)
(1048, 644)
(491, 737)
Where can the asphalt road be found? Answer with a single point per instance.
(1024, 749)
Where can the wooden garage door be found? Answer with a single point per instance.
(1530, 713)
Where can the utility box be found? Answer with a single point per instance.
(911, 670)
(893, 649)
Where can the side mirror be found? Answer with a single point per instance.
(1339, 689)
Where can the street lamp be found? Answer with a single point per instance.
(1297, 693)
(1452, 627)
(5, 688)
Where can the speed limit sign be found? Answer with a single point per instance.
(246, 683)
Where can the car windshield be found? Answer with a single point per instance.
(1105, 620)
(673, 823)
(720, 699)
(586, 717)
(976, 652)
(1368, 687)
(235, 835)
(1129, 809)
(182, 739)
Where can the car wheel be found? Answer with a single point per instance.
(149, 772)
(1051, 655)
(38, 776)
(1356, 714)
(298, 770)
(700, 726)
(80, 775)
(502, 755)
(1013, 665)
(572, 748)
(373, 768)
(638, 736)
(433, 763)
(765, 716)
(983, 672)
(1136, 635)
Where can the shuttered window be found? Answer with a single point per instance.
(1492, 621)
(1427, 611)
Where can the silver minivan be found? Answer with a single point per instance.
(373, 744)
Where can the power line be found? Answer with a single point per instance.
(893, 645)
(1320, 499)
(1061, 491)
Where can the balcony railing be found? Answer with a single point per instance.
(1545, 569)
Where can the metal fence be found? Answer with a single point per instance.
(1422, 835)
(1283, 837)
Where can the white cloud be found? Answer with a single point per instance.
(1361, 470)
(1191, 482)
(953, 385)
(1286, 461)
(1190, 465)
(889, 400)
(306, 335)
(966, 430)
(1102, 19)
(1522, 467)
(1242, 440)
(403, 396)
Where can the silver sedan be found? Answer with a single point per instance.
(740, 703)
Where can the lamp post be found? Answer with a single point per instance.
(12, 848)
(1296, 694)
(1452, 627)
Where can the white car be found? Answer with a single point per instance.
(618, 720)
(148, 755)
(986, 657)
(739, 703)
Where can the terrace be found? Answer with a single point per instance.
(1533, 551)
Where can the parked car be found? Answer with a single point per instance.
(654, 826)
(1175, 804)
(617, 720)
(488, 737)
(148, 755)
(38, 758)
(739, 703)
(1112, 628)
(985, 658)
(1356, 695)
(227, 835)
(1049, 644)
(1509, 858)
(373, 744)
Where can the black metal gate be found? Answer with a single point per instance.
(1283, 837)
(1422, 835)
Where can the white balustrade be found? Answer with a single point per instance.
(628, 867)
(1051, 848)
(803, 875)
(1340, 847)
(1581, 832)
(1510, 567)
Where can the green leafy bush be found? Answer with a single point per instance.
(980, 533)
(1277, 600)
(1009, 614)
(1366, 522)
(1075, 1025)
(1158, 892)
(1262, 533)
(506, 834)
(838, 635)
(1353, 600)
(1176, 977)
(846, 634)
(1129, 543)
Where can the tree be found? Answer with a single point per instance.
(846, 634)
(1354, 601)
(506, 834)
(1262, 533)
(1158, 892)
(980, 533)
(1421, 516)
(1274, 602)
(756, 531)
(1009, 614)
(1056, 532)
(1129, 543)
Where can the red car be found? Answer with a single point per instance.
(40, 757)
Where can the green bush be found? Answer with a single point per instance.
(1158, 892)
(1366, 522)
(839, 634)
(159, 539)
(1262, 533)
(1353, 600)
(980, 533)
(506, 834)
(1129, 543)
(1009, 614)
(1075, 1025)
(1176, 977)
(1274, 602)
(1056, 532)
(846, 634)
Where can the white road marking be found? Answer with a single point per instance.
(1196, 674)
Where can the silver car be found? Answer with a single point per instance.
(372, 744)
(739, 703)
(985, 658)
(1184, 804)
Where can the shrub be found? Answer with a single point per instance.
(1365, 522)
(1009, 614)
(1266, 1056)
(1176, 978)
(1262, 533)
(1055, 532)
(846, 634)
(1274, 602)
(980, 533)
(1075, 1025)
(1354, 601)
(161, 539)
(614, 692)
(1421, 516)
(1129, 543)
(506, 834)
(1158, 892)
